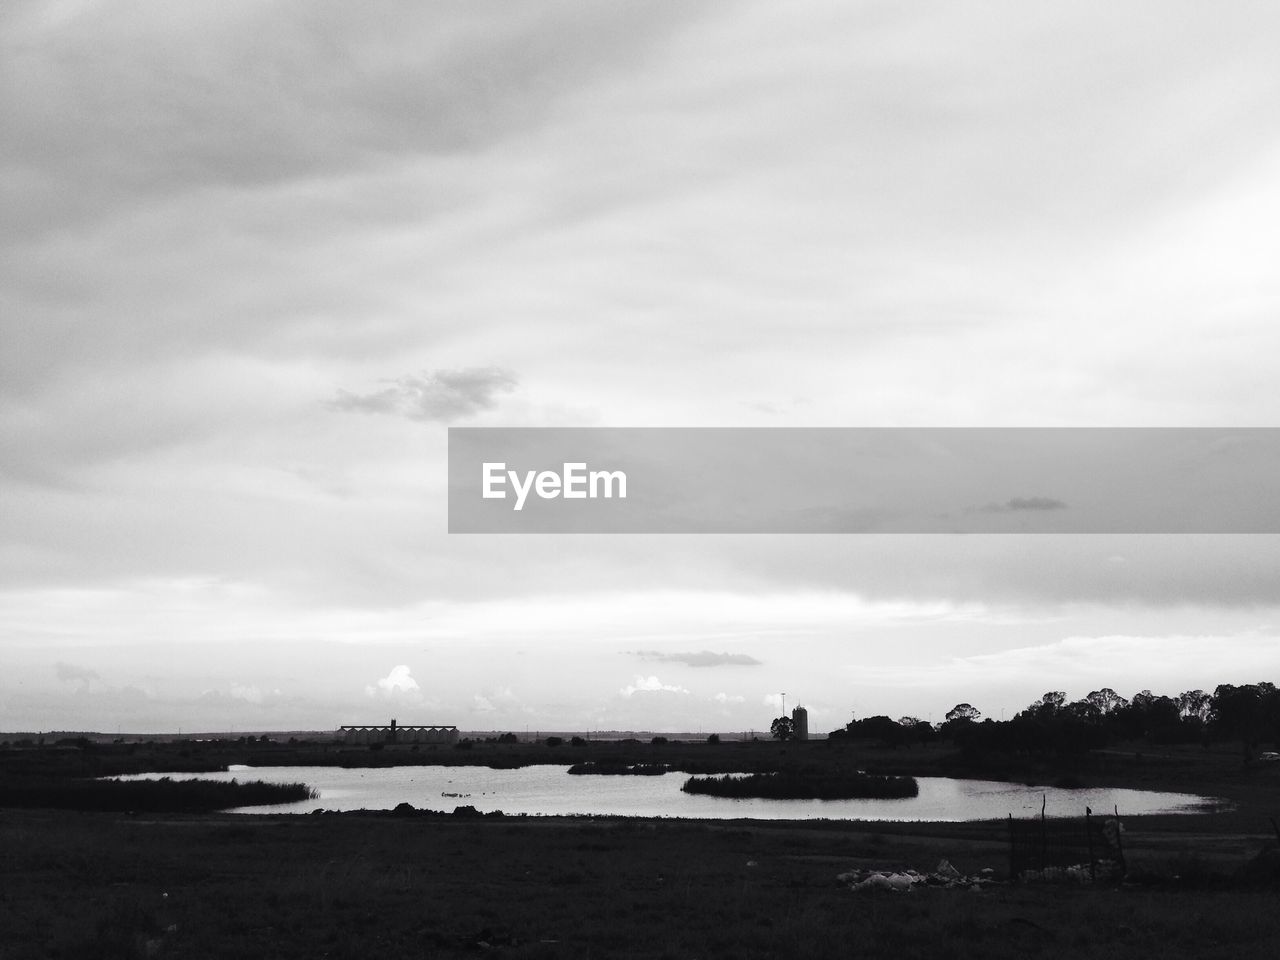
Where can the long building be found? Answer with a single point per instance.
(394, 733)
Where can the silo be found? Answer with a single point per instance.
(800, 723)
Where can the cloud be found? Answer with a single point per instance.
(70, 673)
(1127, 661)
(248, 693)
(501, 699)
(396, 683)
(442, 395)
(650, 685)
(704, 658)
(724, 698)
(1025, 503)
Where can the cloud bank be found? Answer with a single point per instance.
(703, 658)
(442, 395)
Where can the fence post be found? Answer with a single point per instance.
(1013, 856)
(1124, 868)
(1044, 839)
(1088, 835)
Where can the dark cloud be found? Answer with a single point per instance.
(441, 395)
(241, 95)
(1025, 503)
(704, 658)
(230, 146)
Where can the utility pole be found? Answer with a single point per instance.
(784, 704)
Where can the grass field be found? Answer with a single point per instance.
(79, 884)
(98, 885)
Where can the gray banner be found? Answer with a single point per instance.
(864, 480)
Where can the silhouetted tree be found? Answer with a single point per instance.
(1248, 713)
(1107, 700)
(963, 711)
(1047, 707)
(915, 730)
(884, 729)
(1194, 704)
(782, 728)
(1142, 700)
(1083, 711)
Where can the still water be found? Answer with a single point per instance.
(548, 790)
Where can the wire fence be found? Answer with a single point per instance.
(1088, 849)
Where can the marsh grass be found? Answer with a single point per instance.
(618, 768)
(804, 786)
(145, 796)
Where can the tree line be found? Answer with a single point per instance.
(1249, 714)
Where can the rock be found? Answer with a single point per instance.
(945, 870)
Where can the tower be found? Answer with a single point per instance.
(800, 723)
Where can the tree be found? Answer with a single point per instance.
(782, 728)
(915, 729)
(713, 738)
(1236, 713)
(1142, 701)
(1162, 721)
(1047, 707)
(1194, 704)
(882, 728)
(964, 711)
(1107, 700)
(1084, 711)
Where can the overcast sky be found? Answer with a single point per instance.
(256, 258)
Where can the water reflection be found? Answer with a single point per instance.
(549, 790)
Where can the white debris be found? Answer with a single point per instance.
(904, 881)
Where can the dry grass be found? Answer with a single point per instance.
(77, 885)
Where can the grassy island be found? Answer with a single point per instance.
(797, 786)
(618, 768)
(150, 796)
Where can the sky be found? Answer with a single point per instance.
(255, 260)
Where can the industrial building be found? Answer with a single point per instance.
(394, 733)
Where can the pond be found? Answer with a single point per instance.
(550, 790)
